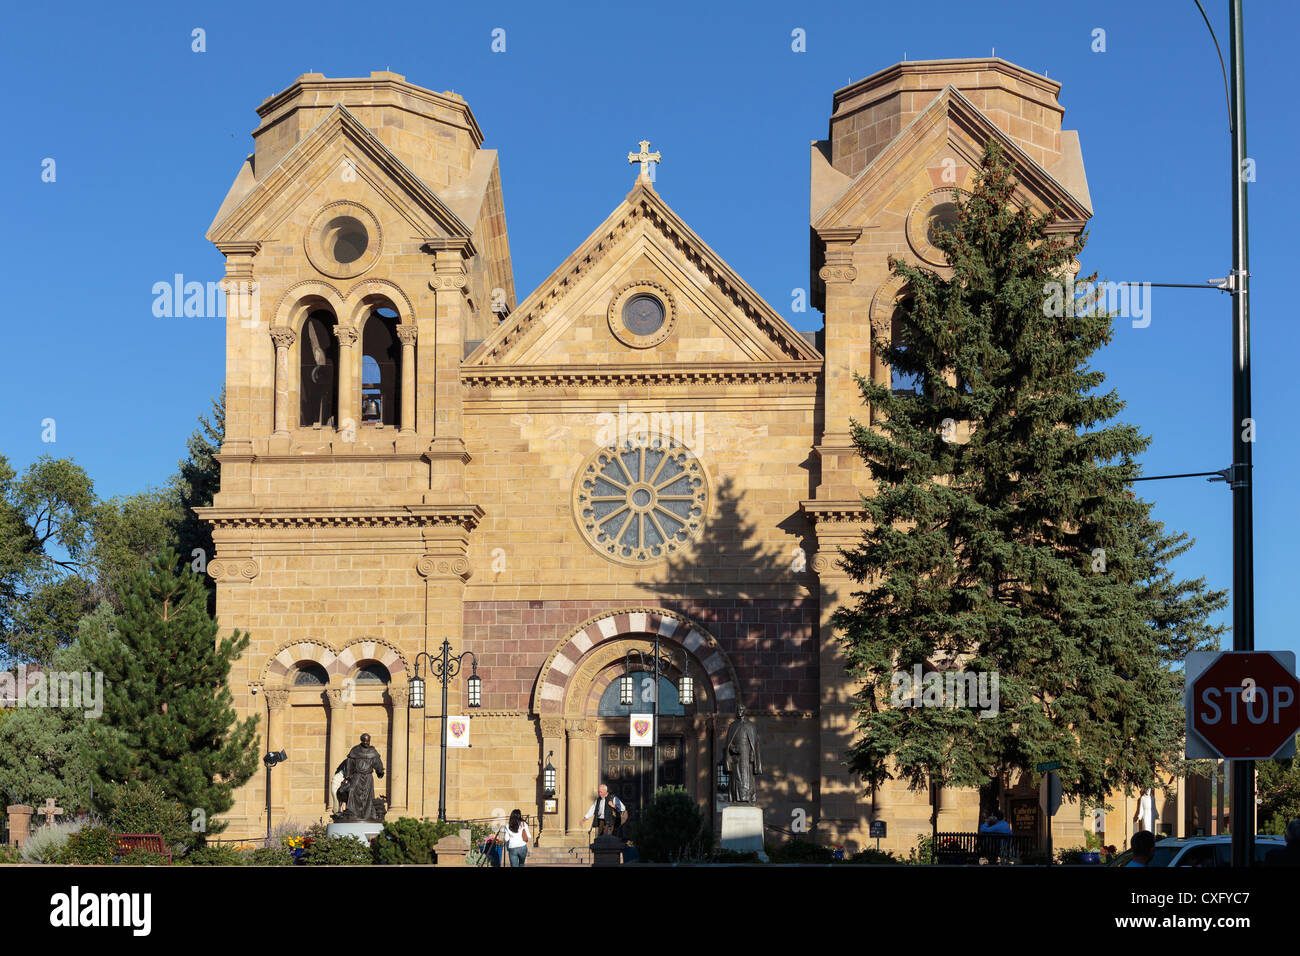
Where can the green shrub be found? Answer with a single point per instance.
(142, 858)
(735, 856)
(138, 807)
(337, 851)
(90, 846)
(46, 844)
(672, 828)
(271, 856)
(871, 855)
(9, 854)
(407, 840)
(1071, 857)
(216, 854)
(799, 851)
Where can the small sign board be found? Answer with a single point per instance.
(1049, 765)
(878, 830)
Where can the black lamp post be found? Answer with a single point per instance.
(662, 659)
(271, 759)
(444, 668)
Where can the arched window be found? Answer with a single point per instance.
(670, 704)
(381, 356)
(318, 385)
(310, 675)
(372, 673)
(901, 381)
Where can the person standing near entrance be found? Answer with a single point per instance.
(517, 839)
(606, 813)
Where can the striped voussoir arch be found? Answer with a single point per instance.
(562, 664)
(337, 665)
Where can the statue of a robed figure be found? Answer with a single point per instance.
(357, 792)
(744, 762)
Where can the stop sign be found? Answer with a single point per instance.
(1245, 705)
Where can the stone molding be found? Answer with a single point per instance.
(558, 376)
(441, 566)
(456, 516)
(233, 569)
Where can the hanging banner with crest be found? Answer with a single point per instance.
(457, 731)
(642, 731)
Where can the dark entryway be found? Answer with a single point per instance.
(627, 769)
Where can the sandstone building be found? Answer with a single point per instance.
(642, 446)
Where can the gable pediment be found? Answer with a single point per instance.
(340, 145)
(577, 319)
(952, 127)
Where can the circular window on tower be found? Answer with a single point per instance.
(934, 213)
(639, 503)
(641, 314)
(343, 240)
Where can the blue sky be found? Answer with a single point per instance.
(147, 135)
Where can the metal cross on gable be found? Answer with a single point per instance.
(647, 159)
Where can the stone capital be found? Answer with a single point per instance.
(400, 696)
(277, 699)
(449, 281)
(282, 336)
(551, 726)
(407, 334)
(837, 273)
(444, 566)
(336, 698)
(347, 335)
(577, 730)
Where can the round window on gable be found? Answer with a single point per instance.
(346, 239)
(643, 314)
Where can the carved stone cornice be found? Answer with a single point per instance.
(602, 376)
(233, 569)
(449, 281)
(409, 516)
(240, 248)
(347, 335)
(831, 511)
(444, 566)
(839, 273)
(407, 334)
(277, 698)
(282, 336)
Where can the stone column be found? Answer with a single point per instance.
(397, 789)
(283, 338)
(552, 825)
(247, 376)
(20, 823)
(847, 352)
(438, 374)
(349, 417)
(340, 721)
(581, 791)
(407, 335)
(277, 734)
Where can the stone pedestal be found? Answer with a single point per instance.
(742, 830)
(20, 823)
(363, 830)
(607, 850)
(451, 850)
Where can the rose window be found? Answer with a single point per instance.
(640, 503)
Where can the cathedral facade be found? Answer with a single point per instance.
(640, 460)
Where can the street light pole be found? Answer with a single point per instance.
(444, 667)
(1243, 434)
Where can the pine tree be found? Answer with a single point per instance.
(1003, 535)
(168, 715)
(197, 481)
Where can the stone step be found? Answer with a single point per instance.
(559, 856)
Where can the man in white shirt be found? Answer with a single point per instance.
(606, 812)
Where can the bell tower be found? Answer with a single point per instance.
(365, 245)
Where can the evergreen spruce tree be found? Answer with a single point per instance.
(196, 483)
(1004, 537)
(168, 716)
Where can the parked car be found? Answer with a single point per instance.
(1204, 851)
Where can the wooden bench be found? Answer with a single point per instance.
(130, 842)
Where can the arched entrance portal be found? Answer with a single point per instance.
(584, 724)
